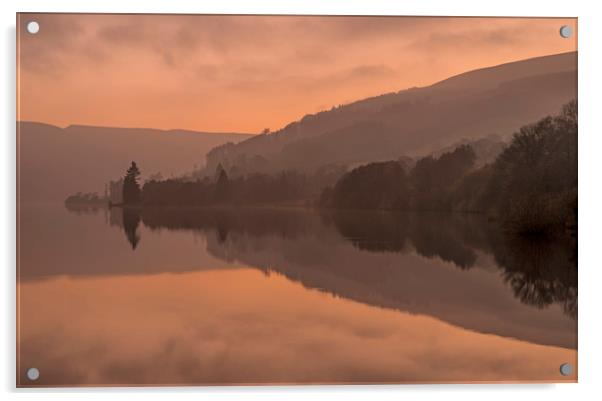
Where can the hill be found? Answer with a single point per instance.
(56, 162)
(413, 122)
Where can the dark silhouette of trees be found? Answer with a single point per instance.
(386, 185)
(471, 193)
(534, 180)
(131, 188)
(531, 187)
(433, 180)
(222, 184)
(254, 189)
(84, 203)
(89, 198)
(373, 186)
(116, 192)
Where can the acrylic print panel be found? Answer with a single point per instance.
(225, 200)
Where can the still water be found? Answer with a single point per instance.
(278, 296)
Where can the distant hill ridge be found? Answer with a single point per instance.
(57, 162)
(80, 128)
(417, 121)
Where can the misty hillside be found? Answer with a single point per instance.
(413, 122)
(56, 162)
(486, 149)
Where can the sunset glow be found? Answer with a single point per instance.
(247, 73)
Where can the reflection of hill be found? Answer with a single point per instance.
(377, 265)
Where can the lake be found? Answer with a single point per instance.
(287, 296)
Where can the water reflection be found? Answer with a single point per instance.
(131, 221)
(386, 272)
(126, 218)
(243, 327)
(540, 271)
(377, 232)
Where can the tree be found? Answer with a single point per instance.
(222, 184)
(535, 178)
(381, 185)
(156, 177)
(131, 188)
(434, 179)
(219, 171)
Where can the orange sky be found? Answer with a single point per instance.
(246, 73)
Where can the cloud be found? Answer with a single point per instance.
(371, 71)
(286, 64)
(44, 52)
(124, 35)
(475, 39)
(244, 327)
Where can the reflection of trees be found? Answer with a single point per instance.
(372, 231)
(131, 220)
(432, 235)
(540, 271)
(256, 222)
(82, 209)
(128, 219)
(443, 236)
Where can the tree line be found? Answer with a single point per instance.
(530, 188)
(288, 186)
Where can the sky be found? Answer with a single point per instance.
(247, 73)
